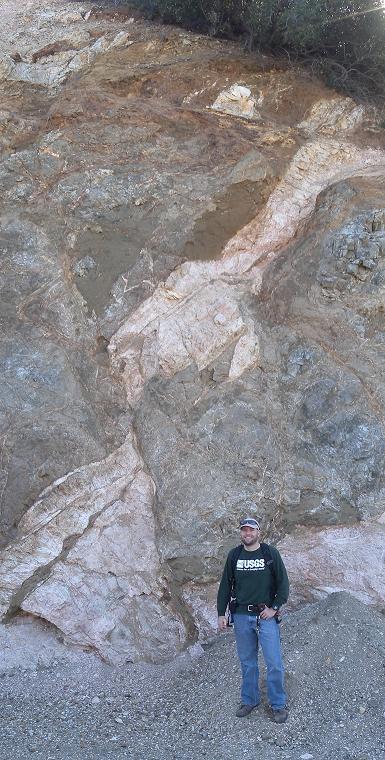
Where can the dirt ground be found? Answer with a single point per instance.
(58, 703)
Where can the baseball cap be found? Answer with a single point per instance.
(249, 522)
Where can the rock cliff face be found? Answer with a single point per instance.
(192, 309)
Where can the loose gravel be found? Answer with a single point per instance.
(58, 703)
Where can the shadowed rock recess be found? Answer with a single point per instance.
(192, 326)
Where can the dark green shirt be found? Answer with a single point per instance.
(254, 583)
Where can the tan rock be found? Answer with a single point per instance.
(71, 17)
(107, 592)
(236, 101)
(246, 354)
(331, 117)
(54, 69)
(202, 601)
(62, 511)
(253, 167)
(86, 560)
(315, 166)
(165, 336)
(6, 67)
(323, 560)
(120, 40)
(177, 333)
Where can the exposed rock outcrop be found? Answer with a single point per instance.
(86, 559)
(237, 101)
(192, 315)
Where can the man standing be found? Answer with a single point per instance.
(255, 579)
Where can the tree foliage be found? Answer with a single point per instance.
(344, 41)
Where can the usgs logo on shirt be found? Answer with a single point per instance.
(251, 564)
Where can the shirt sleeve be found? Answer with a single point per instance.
(225, 586)
(282, 581)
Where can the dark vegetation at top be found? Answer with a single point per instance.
(344, 42)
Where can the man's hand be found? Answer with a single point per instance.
(222, 623)
(267, 613)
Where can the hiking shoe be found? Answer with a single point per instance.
(280, 716)
(244, 710)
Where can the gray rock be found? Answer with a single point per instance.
(84, 266)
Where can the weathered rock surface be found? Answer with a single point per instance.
(330, 117)
(192, 318)
(75, 552)
(325, 561)
(237, 101)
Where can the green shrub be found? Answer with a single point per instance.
(344, 41)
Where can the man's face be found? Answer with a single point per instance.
(249, 536)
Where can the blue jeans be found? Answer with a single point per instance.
(247, 634)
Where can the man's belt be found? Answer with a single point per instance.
(252, 609)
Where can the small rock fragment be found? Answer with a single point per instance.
(236, 101)
(84, 265)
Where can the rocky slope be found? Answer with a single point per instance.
(65, 704)
(192, 322)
